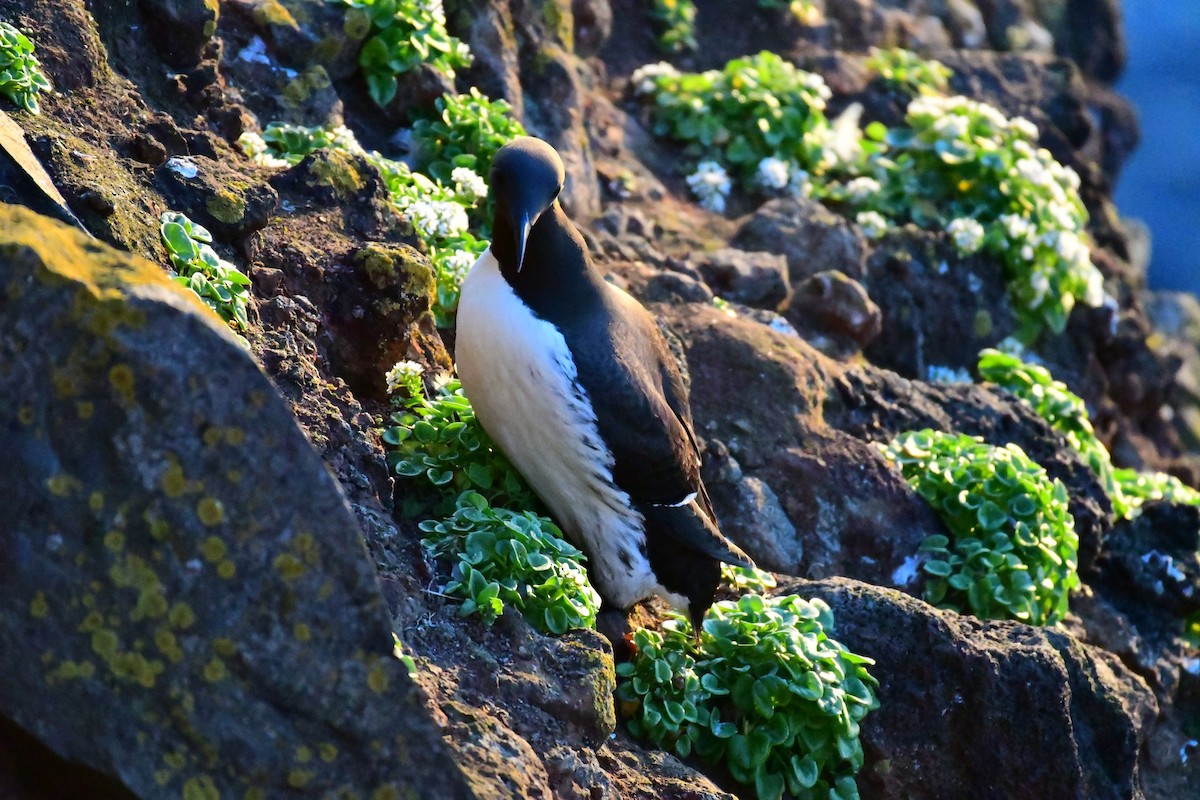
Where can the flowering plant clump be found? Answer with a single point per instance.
(219, 283)
(509, 559)
(905, 70)
(957, 165)
(962, 160)
(1013, 550)
(676, 24)
(440, 440)
(757, 108)
(283, 144)
(21, 76)
(764, 690)
(404, 35)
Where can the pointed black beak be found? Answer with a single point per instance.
(522, 231)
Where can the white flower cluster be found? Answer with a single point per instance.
(439, 218)
(862, 189)
(775, 175)
(401, 374)
(456, 265)
(710, 183)
(873, 223)
(344, 138)
(645, 79)
(469, 185)
(967, 234)
(259, 151)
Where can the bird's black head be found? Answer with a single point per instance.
(527, 176)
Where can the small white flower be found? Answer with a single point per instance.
(468, 184)
(398, 375)
(710, 183)
(1094, 293)
(873, 223)
(343, 137)
(799, 185)
(1023, 128)
(951, 127)
(773, 173)
(645, 79)
(967, 234)
(861, 189)
(1040, 285)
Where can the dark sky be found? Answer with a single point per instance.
(1161, 183)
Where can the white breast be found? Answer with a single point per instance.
(521, 380)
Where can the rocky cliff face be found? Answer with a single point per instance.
(203, 554)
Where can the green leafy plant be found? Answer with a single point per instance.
(676, 24)
(747, 579)
(1066, 412)
(1013, 550)
(404, 35)
(466, 131)
(764, 690)
(441, 441)
(908, 72)
(218, 283)
(504, 559)
(399, 652)
(1139, 488)
(1054, 402)
(21, 75)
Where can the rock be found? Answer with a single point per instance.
(837, 492)
(939, 309)
(986, 709)
(176, 556)
(216, 195)
(835, 313)
(1150, 572)
(593, 25)
(753, 279)
(810, 236)
(280, 94)
(417, 90)
(180, 29)
(305, 33)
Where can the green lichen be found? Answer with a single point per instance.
(226, 206)
(387, 267)
(338, 170)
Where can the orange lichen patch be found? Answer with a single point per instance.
(63, 484)
(328, 751)
(302, 632)
(168, 645)
(299, 778)
(212, 436)
(210, 511)
(132, 572)
(224, 647)
(303, 754)
(38, 607)
(114, 541)
(235, 436)
(71, 670)
(254, 793)
(377, 679)
(215, 670)
(200, 787)
(96, 502)
(173, 481)
(213, 549)
(120, 376)
(385, 793)
(226, 569)
(288, 566)
(85, 409)
(181, 617)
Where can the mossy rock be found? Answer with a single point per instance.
(177, 560)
